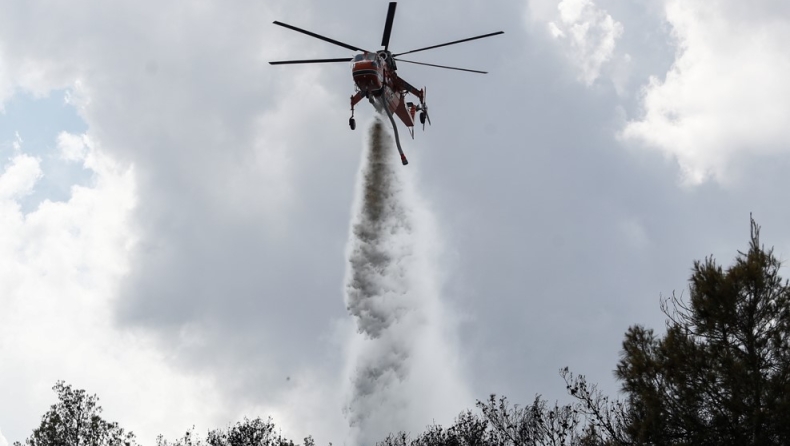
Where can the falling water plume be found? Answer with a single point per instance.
(403, 364)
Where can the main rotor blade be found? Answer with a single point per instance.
(318, 36)
(286, 62)
(385, 39)
(442, 66)
(450, 43)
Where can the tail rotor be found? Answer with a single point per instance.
(424, 116)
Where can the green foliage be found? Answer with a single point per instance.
(189, 439)
(721, 373)
(251, 433)
(537, 424)
(605, 422)
(75, 421)
(500, 424)
(245, 433)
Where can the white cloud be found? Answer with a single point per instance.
(19, 177)
(73, 147)
(60, 267)
(3, 441)
(725, 93)
(587, 33)
(212, 132)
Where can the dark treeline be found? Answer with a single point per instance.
(75, 420)
(718, 375)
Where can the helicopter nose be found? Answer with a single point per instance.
(367, 79)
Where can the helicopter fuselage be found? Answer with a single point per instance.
(375, 76)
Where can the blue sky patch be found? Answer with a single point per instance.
(37, 123)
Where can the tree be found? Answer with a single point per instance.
(605, 422)
(75, 421)
(189, 439)
(537, 424)
(251, 433)
(499, 423)
(256, 432)
(721, 373)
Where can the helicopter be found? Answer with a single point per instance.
(376, 78)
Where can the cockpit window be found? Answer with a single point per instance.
(361, 57)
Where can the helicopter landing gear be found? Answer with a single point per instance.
(354, 101)
(423, 108)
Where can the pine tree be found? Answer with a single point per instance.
(721, 373)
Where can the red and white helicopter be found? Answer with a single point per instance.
(376, 78)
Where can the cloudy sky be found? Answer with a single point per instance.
(175, 212)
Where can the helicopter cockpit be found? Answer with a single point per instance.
(365, 57)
